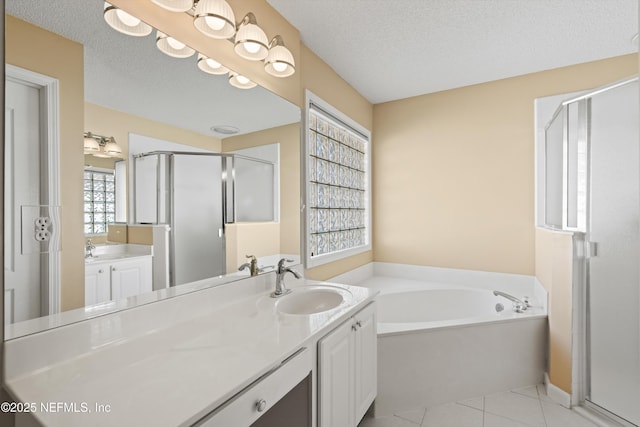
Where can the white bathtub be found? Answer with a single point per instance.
(440, 338)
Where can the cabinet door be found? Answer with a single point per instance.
(96, 284)
(129, 278)
(366, 360)
(336, 393)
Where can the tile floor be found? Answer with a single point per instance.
(525, 407)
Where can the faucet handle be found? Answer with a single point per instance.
(281, 264)
(252, 257)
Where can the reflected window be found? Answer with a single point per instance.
(99, 200)
(337, 185)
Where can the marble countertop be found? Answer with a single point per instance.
(177, 373)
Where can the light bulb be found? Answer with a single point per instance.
(280, 66)
(214, 23)
(251, 47)
(242, 79)
(127, 19)
(213, 64)
(177, 45)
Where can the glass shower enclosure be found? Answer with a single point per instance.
(592, 187)
(187, 191)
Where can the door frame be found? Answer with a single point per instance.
(50, 144)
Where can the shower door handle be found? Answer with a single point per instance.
(590, 249)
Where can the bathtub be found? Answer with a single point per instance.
(441, 339)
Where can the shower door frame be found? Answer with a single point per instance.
(581, 368)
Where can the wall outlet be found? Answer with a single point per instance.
(42, 229)
(43, 235)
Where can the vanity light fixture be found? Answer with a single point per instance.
(101, 146)
(279, 62)
(215, 18)
(172, 47)
(240, 81)
(175, 5)
(211, 66)
(112, 148)
(124, 22)
(251, 41)
(90, 144)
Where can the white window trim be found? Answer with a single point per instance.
(317, 260)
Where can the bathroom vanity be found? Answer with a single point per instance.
(116, 271)
(224, 356)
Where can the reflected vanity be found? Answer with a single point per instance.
(147, 101)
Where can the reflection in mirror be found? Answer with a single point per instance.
(69, 73)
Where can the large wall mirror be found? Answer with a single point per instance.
(193, 154)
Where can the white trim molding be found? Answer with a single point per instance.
(556, 394)
(50, 107)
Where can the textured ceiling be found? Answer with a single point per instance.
(130, 74)
(393, 49)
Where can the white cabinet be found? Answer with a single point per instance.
(97, 283)
(117, 279)
(347, 359)
(129, 278)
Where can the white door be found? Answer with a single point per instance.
(22, 274)
(614, 271)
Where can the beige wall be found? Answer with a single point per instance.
(105, 121)
(554, 265)
(453, 171)
(453, 185)
(46, 53)
(251, 238)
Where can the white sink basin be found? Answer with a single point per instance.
(312, 300)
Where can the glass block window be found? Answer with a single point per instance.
(337, 186)
(99, 201)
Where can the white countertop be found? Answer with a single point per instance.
(172, 375)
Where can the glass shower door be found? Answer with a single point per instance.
(614, 259)
(197, 227)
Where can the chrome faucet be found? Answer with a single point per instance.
(281, 270)
(88, 249)
(518, 305)
(251, 265)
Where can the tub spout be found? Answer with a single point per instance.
(518, 305)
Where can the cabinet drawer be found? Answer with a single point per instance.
(245, 407)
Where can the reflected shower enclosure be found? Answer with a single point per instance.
(195, 195)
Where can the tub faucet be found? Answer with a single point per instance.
(281, 270)
(88, 249)
(518, 305)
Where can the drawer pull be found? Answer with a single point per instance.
(261, 405)
(100, 271)
(359, 324)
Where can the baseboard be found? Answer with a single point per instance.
(556, 394)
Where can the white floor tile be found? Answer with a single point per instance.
(475, 403)
(491, 420)
(452, 415)
(413, 416)
(386, 422)
(531, 391)
(542, 392)
(515, 407)
(558, 416)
